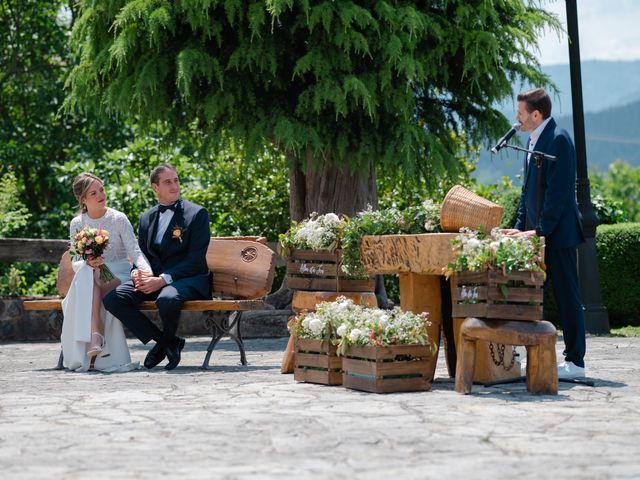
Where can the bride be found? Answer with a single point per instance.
(91, 337)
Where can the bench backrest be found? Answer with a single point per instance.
(243, 267)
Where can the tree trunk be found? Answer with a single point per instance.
(323, 187)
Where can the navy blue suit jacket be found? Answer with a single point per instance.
(560, 221)
(185, 260)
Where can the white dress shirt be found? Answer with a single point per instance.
(535, 135)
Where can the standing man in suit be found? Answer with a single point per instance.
(548, 208)
(174, 235)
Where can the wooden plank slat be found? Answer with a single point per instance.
(493, 294)
(31, 250)
(310, 268)
(506, 312)
(312, 360)
(387, 385)
(48, 304)
(361, 367)
(317, 376)
(191, 305)
(315, 346)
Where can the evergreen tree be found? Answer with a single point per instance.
(339, 86)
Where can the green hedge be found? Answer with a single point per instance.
(618, 249)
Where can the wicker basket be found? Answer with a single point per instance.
(462, 208)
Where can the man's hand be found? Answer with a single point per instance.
(509, 231)
(529, 233)
(145, 282)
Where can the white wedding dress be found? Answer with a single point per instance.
(76, 306)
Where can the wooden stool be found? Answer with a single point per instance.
(538, 337)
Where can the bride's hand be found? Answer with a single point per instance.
(95, 262)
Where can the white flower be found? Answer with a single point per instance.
(473, 243)
(341, 330)
(331, 219)
(305, 322)
(355, 335)
(315, 326)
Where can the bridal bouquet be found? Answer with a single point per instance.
(91, 243)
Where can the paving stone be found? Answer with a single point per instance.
(253, 422)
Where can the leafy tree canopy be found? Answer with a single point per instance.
(350, 81)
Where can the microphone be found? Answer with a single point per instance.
(503, 141)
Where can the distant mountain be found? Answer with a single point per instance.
(611, 93)
(604, 85)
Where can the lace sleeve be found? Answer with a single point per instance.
(74, 227)
(131, 244)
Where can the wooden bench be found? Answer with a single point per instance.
(243, 270)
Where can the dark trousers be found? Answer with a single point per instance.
(122, 302)
(563, 272)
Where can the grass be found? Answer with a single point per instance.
(626, 332)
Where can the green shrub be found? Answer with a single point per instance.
(618, 249)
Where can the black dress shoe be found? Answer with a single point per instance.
(155, 356)
(173, 353)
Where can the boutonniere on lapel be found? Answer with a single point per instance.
(176, 233)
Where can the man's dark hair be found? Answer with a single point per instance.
(155, 173)
(536, 99)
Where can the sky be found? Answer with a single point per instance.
(608, 30)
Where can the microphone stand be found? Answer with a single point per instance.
(538, 158)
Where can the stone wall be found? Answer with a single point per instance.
(17, 325)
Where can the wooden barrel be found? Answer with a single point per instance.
(306, 301)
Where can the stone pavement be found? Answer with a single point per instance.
(252, 422)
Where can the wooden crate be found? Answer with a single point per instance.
(320, 271)
(396, 368)
(316, 361)
(482, 295)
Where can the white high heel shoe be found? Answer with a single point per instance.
(96, 349)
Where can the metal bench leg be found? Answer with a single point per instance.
(235, 333)
(218, 333)
(60, 365)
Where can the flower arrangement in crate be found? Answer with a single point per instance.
(324, 250)
(497, 276)
(378, 350)
(316, 358)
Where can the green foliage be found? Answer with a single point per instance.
(416, 219)
(381, 81)
(618, 249)
(618, 188)
(34, 139)
(13, 282)
(13, 214)
(609, 211)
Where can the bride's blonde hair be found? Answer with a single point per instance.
(81, 185)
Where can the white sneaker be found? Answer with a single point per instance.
(570, 370)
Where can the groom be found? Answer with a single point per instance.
(174, 236)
